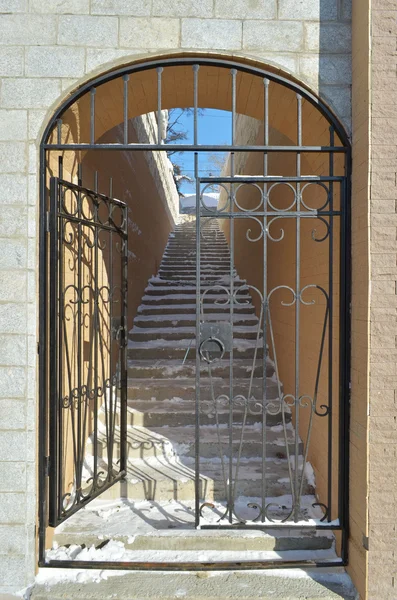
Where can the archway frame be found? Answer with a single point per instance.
(54, 128)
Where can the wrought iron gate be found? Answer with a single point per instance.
(270, 221)
(87, 331)
(84, 291)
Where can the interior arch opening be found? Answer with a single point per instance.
(196, 364)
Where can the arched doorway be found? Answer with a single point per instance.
(261, 280)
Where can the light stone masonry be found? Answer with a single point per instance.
(13, 412)
(13, 256)
(60, 7)
(135, 8)
(54, 61)
(210, 34)
(97, 57)
(185, 8)
(13, 125)
(28, 29)
(241, 9)
(13, 189)
(284, 36)
(11, 61)
(154, 32)
(72, 29)
(28, 93)
(13, 6)
(13, 157)
(328, 37)
(48, 47)
(312, 10)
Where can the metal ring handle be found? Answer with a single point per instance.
(218, 342)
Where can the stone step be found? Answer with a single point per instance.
(182, 298)
(189, 320)
(191, 246)
(183, 440)
(185, 388)
(161, 282)
(205, 265)
(190, 235)
(177, 349)
(207, 273)
(177, 412)
(198, 540)
(179, 442)
(191, 255)
(189, 290)
(314, 584)
(190, 309)
(161, 476)
(141, 334)
(168, 369)
(210, 277)
(171, 267)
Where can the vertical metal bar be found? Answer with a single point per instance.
(297, 313)
(123, 353)
(60, 167)
(43, 355)
(54, 441)
(96, 333)
(125, 108)
(330, 325)
(159, 117)
(265, 307)
(234, 74)
(195, 102)
(198, 310)
(110, 440)
(92, 115)
(79, 337)
(60, 321)
(344, 360)
(232, 484)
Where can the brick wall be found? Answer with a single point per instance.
(46, 47)
(382, 505)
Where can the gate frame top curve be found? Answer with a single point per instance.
(151, 64)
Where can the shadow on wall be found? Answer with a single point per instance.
(332, 71)
(144, 182)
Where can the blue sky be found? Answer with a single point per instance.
(214, 127)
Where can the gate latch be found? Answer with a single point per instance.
(215, 340)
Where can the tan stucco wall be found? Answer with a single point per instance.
(360, 299)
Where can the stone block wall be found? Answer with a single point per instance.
(48, 47)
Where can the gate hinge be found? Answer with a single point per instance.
(47, 222)
(366, 542)
(47, 466)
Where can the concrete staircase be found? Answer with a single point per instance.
(161, 384)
